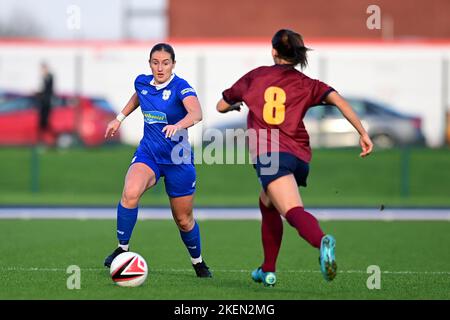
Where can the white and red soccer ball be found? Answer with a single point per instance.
(128, 269)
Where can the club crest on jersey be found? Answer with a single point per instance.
(166, 94)
(144, 92)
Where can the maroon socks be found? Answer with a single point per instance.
(307, 226)
(272, 233)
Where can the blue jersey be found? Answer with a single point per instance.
(162, 105)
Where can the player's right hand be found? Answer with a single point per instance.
(236, 106)
(112, 128)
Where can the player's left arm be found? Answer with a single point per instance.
(335, 98)
(193, 116)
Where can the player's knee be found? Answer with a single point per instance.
(131, 196)
(185, 223)
(265, 200)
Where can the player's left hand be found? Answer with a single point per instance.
(366, 145)
(170, 130)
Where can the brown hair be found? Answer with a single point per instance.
(290, 47)
(163, 47)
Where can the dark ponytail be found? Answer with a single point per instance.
(290, 47)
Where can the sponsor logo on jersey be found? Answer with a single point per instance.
(152, 117)
(166, 94)
(184, 91)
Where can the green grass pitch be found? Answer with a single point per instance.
(412, 256)
(338, 177)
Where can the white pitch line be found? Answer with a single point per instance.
(44, 269)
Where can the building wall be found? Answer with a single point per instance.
(313, 19)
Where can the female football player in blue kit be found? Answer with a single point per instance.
(169, 106)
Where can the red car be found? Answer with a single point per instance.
(73, 119)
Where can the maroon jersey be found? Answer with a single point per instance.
(278, 98)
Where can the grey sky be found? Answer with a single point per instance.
(99, 19)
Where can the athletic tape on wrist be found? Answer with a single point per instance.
(121, 117)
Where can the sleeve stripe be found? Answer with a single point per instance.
(184, 91)
(226, 99)
(326, 94)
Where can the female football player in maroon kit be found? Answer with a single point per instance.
(278, 97)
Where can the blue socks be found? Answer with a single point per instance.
(126, 220)
(191, 240)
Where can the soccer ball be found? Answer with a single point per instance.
(128, 269)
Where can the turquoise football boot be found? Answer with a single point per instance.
(267, 278)
(327, 258)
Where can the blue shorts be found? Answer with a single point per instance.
(274, 165)
(179, 179)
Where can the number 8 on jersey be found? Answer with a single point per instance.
(274, 108)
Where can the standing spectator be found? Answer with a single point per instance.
(45, 101)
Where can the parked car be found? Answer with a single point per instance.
(5, 95)
(73, 119)
(328, 128)
(387, 128)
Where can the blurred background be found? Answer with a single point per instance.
(75, 62)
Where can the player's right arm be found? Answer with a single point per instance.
(232, 98)
(335, 98)
(224, 107)
(114, 125)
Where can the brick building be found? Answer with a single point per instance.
(400, 19)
